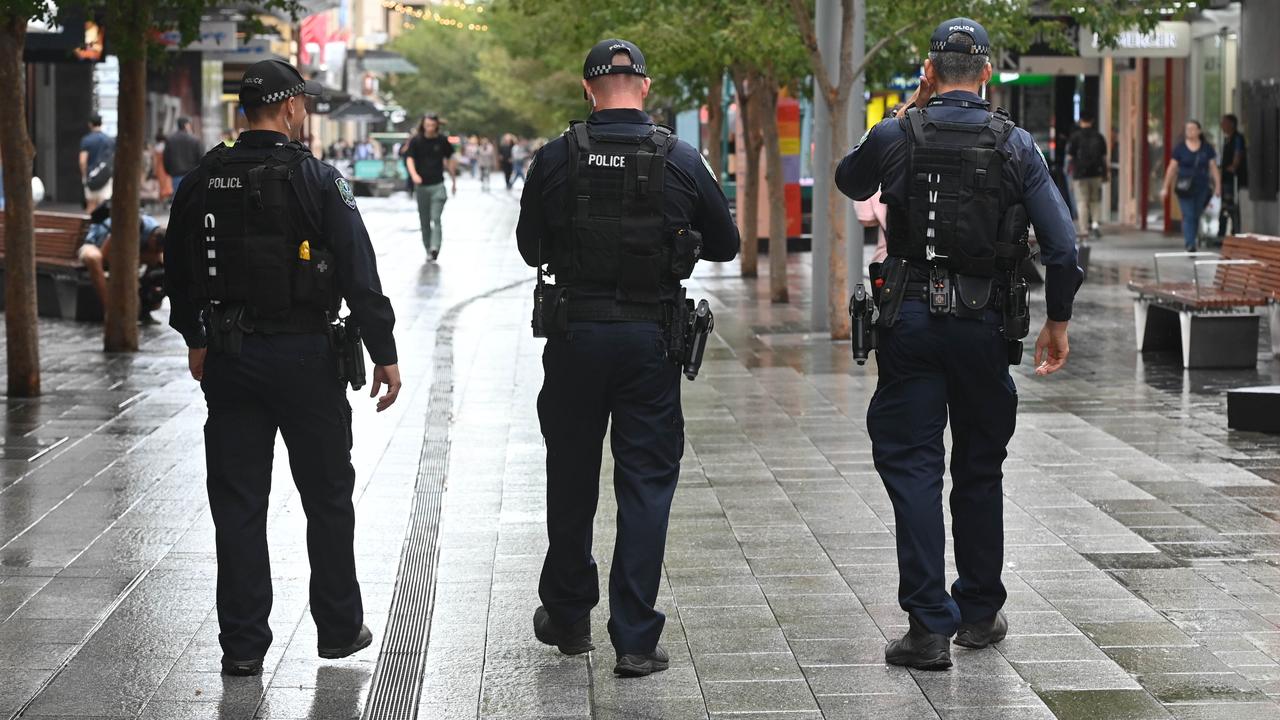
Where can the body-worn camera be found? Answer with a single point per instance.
(344, 338)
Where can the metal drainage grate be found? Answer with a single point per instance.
(397, 680)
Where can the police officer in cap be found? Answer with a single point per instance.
(960, 181)
(264, 244)
(619, 210)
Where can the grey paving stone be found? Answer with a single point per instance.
(880, 707)
(876, 678)
(758, 696)
(1136, 634)
(954, 690)
(1033, 648)
(1200, 687)
(1093, 704)
(747, 666)
(1075, 675)
(1143, 660)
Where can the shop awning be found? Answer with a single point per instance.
(384, 62)
(357, 110)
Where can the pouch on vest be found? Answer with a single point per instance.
(313, 278)
(686, 248)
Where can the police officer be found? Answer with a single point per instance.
(264, 243)
(953, 173)
(615, 208)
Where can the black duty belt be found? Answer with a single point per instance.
(606, 310)
(920, 291)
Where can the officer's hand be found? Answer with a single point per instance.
(195, 362)
(1051, 348)
(417, 179)
(389, 374)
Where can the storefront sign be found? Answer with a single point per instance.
(213, 37)
(1166, 40)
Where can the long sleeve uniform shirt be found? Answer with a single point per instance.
(882, 159)
(342, 230)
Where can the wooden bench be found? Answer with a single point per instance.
(61, 282)
(1214, 318)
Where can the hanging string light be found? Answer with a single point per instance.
(422, 13)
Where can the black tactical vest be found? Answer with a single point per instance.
(615, 221)
(955, 196)
(256, 248)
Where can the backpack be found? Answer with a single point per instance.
(100, 174)
(1090, 154)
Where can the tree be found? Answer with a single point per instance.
(22, 332)
(1012, 24)
(468, 94)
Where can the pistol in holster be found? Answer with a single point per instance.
(701, 323)
(1015, 227)
(344, 338)
(862, 315)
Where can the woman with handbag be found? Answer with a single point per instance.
(1190, 170)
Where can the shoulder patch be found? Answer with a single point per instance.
(707, 164)
(344, 189)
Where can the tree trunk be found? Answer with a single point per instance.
(748, 186)
(838, 305)
(766, 97)
(715, 125)
(22, 330)
(121, 326)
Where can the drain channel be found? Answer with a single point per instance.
(397, 680)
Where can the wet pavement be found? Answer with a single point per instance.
(1143, 537)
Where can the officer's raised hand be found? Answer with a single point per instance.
(389, 374)
(1051, 348)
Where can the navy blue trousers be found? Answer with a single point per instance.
(595, 373)
(932, 368)
(286, 383)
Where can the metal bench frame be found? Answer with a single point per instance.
(1217, 335)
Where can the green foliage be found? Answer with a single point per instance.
(467, 78)
(687, 44)
(1013, 25)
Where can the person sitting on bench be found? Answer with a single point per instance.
(93, 252)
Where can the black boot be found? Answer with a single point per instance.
(572, 640)
(639, 665)
(981, 634)
(363, 639)
(241, 668)
(920, 649)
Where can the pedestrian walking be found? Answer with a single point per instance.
(486, 156)
(956, 177)
(265, 242)
(504, 157)
(429, 157)
(1193, 176)
(1089, 168)
(1235, 175)
(615, 323)
(519, 155)
(182, 152)
(97, 163)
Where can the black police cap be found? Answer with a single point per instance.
(600, 60)
(977, 33)
(273, 81)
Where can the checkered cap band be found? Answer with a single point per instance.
(282, 95)
(601, 70)
(944, 46)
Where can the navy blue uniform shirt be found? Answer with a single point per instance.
(691, 194)
(343, 232)
(880, 162)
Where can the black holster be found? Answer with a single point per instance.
(225, 328)
(701, 323)
(862, 314)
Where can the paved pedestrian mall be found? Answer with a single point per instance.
(1143, 537)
